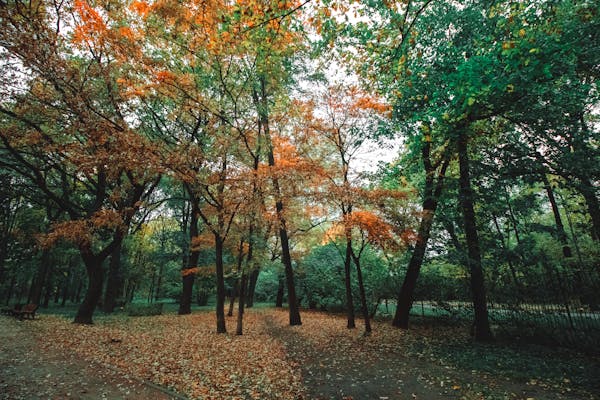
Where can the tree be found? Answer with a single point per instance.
(68, 128)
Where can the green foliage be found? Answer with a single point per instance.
(268, 282)
(143, 310)
(321, 277)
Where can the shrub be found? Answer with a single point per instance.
(142, 310)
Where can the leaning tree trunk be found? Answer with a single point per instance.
(431, 197)
(253, 278)
(482, 330)
(560, 228)
(405, 296)
(93, 266)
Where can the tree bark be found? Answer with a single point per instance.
(253, 278)
(280, 290)
(560, 228)
(482, 330)
(232, 299)
(294, 311)
(185, 304)
(93, 266)
(431, 195)
(347, 280)
(240, 316)
(220, 285)
(591, 200)
(113, 283)
(363, 295)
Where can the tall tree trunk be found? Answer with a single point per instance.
(185, 304)
(591, 200)
(240, 316)
(48, 287)
(560, 228)
(93, 266)
(588, 190)
(114, 279)
(348, 284)
(252, 279)
(294, 311)
(220, 285)
(363, 295)
(431, 195)
(481, 323)
(234, 291)
(505, 248)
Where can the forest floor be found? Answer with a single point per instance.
(28, 371)
(172, 356)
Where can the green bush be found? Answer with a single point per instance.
(142, 310)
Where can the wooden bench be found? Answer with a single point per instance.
(27, 311)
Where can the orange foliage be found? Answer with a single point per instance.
(199, 271)
(165, 76)
(140, 7)
(92, 24)
(379, 232)
(81, 232)
(203, 241)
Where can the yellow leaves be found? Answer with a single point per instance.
(335, 232)
(508, 45)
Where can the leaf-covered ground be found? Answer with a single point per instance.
(318, 360)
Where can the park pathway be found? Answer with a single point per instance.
(29, 372)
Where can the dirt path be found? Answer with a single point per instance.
(335, 368)
(28, 372)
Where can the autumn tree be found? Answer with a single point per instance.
(345, 120)
(69, 125)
